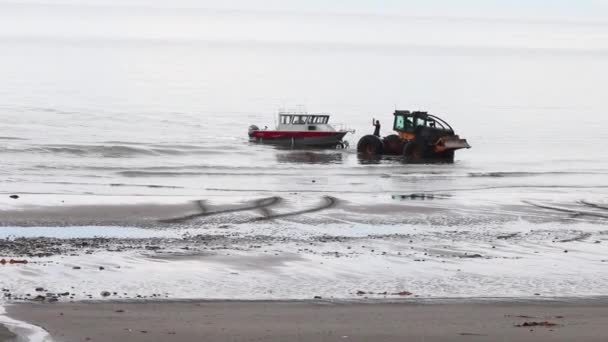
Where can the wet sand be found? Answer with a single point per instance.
(6, 335)
(317, 321)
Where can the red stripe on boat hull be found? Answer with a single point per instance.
(291, 134)
(299, 139)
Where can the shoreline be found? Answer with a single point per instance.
(12, 330)
(320, 320)
(6, 334)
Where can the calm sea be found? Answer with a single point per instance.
(158, 100)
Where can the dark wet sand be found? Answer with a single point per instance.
(6, 335)
(308, 321)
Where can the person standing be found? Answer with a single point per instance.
(376, 124)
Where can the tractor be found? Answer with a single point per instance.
(421, 138)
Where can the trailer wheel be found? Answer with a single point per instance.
(413, 152)
(370, 145)
(393, 145)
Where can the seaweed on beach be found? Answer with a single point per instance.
(545, 324)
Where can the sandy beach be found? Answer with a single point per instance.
(318, 321)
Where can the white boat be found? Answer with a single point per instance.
(299, 129)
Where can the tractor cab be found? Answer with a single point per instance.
(409, 124)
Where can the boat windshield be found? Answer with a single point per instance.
(320, 120)
(299, 119)
(303, 119)
(286, 119)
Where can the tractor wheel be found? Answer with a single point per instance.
(413, 152)
(393, 145)
(370, 145)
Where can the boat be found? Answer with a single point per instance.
(301, 129)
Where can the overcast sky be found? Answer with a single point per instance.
(590, 9)
(537, 52)
(562, 24)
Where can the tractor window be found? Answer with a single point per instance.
(399, 122)
(419, 122)
(403, 123)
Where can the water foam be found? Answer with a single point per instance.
(30, 332)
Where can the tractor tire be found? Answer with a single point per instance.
(414, 153)
(370, 145)
(393, 145)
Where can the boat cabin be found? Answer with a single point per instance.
(304, 122)
(409, 122)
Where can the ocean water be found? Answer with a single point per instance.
(105, 104)
(164, 97)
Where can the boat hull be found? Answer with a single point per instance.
(298, 139)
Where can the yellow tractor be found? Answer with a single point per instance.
(420, 138)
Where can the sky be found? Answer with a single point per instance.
(533, 24)
(564, 9)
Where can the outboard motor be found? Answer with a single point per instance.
(253, 128)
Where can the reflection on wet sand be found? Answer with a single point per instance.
(307, 246)
(309, 157)
(309, 208)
